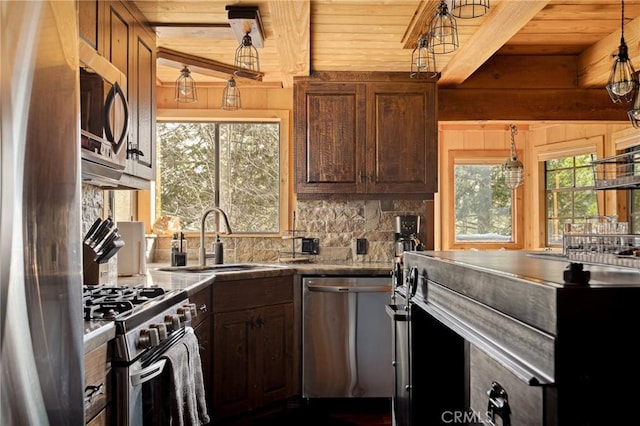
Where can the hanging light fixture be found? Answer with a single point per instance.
(467, 9)
(443, 31)
(623, 80)
(513, 168)
(634, 113)
(231, 96)
(247, 59)
(423, 61)
(185, 87)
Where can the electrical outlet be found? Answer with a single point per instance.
(311, 245)
(361, 246)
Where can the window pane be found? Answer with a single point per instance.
(247, 183)
(570, 195)
(483, 204)
(250, 175)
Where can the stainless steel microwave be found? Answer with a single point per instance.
(104, 118)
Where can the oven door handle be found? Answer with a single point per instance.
(147, 373)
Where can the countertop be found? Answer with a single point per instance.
(100, 332)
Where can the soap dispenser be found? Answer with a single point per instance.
(218, 251)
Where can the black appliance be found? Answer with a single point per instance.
(426, 388)
(406, 229)
(148, 322)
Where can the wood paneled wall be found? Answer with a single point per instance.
(534, 141)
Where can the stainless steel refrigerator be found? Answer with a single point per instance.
(41, 340)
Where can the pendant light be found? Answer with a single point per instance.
(231, 96)
(247, 59)
(185, 87)
(467, 9)
(443, 31)
(423, 61)
(513, 168)
(623, 80)
(634, 113)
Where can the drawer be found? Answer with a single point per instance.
(246, 294)
(202, 300)
(525, 402)
(96, 378)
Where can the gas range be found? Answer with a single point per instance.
(144, 317)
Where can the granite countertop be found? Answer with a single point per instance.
(99, 332)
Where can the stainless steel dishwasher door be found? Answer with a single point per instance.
(346, 338)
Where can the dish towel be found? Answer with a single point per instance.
(188, 405)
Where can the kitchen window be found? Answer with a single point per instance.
(235, 165)
(570, 194)
(485, 209)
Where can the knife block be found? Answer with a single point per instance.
(93, 273)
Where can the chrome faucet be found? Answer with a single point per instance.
(203, 252)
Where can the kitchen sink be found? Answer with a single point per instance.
(230, 267)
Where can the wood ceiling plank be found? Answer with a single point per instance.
(503, 21)
(595, 63)
(291, 26)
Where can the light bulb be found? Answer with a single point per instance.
(622, 88)
(185, 89)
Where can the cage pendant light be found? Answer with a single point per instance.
(513, 168)
(623, 81)
(634, 113)
(467, 9)
(443, 31)
(423, 61)
(247, 60)
(185, 87)
(231, 96)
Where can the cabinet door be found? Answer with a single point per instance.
(119, 23)
(141, 154)
(89, 18)
(329, 132)
(402, 138)
(234, 363)
(275, 352)
(203, 332)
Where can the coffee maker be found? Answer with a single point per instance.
(406, 229)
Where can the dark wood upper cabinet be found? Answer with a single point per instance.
(365, 134)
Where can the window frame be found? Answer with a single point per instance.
(272, 116)
(491, 157)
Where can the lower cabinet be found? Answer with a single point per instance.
(97, 374)
(253, 341)
(202, 327)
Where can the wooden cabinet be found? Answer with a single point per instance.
(365, 134)
(253, 340)
(97, 375)
(202, 326)
(120, 33)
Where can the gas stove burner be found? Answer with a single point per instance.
(112, 302)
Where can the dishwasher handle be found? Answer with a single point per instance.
(332, 288)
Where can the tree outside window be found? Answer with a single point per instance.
(570, 194)
(234, 166)
(483, 204)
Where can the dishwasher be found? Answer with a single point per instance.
(346, 338)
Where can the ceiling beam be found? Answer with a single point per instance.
(504, 20)
(595, 63)
(198, 64)
(425, 11)
(456, 104)
(291, 24)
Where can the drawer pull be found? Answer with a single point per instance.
(498, 404)
(91, 392)
(203, 307)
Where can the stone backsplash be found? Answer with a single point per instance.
(92, 208)
(337, 225)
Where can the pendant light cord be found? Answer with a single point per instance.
(514, 132)
(622, 24)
